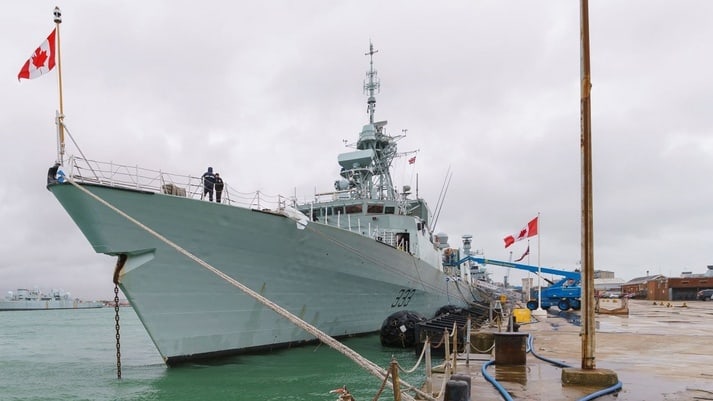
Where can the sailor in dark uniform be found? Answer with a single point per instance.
(219, 185)
(208, 183)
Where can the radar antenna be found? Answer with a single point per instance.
(371, 84)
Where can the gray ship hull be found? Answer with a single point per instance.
(341, 282)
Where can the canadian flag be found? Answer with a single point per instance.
(529, 231)
(42, 60)
(527, 252)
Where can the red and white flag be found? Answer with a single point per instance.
(42, 60)
(529, 231)
(527, 252)
(412, 160)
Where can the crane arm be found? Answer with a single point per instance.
(534, 269)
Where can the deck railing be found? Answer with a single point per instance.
(139, 178)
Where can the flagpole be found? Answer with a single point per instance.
(539, 265)
(60, 117)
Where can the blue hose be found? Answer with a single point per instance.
(530, 339)
(504, 393)
(506, 396)
(596, 394)
(600, 393)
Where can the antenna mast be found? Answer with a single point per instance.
(371, 84)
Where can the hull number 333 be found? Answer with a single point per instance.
(403, 297)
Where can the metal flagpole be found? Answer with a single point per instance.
(539, 265)
(60, 116)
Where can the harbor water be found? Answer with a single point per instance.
(71, 355)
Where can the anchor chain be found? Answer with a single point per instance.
(118, 336)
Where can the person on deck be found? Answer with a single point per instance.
(219, 185)
(208, 183)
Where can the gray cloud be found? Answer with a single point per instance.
(266, 91)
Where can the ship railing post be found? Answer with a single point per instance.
(111, 177)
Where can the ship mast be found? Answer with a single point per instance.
(367, 171)
(372, 85)
(383, 145)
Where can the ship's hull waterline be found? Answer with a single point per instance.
(339, 281)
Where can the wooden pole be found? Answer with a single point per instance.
(429, 368)
(455, 348)
(395, 379)
(588, 327)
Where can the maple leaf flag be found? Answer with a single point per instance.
(529, 231)
(412, 160)
(527, 252)
(42, 60)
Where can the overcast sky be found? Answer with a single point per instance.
(266, 92)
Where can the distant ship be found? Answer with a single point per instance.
(24, 299)
(343, 262)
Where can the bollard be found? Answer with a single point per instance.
(456, 390)
(463, 378)
(510, 348)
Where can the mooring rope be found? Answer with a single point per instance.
(368, 365)
(423, 352)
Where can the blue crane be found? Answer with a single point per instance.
(565, 293)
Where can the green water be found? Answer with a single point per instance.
(71, 355)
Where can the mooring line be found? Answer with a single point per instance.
(369, 366)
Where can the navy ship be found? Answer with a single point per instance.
(342, 262)
(34, 299)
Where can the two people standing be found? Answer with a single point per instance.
(212, 181)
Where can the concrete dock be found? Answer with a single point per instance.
(661, 351)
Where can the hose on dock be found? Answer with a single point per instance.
(484, 370)
(616, 387)
(531, 349)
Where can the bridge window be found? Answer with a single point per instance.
(354, 208)
(375, 208)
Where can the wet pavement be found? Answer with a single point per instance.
(659, 352)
